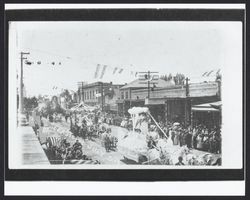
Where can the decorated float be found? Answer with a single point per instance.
(136, 145)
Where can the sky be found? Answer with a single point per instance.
(191, 48)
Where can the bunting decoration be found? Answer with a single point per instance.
(204, 74)
(97, 70)
(103, 71)
(210, 72)
(121, 70)
(115, 69)
(28, 62)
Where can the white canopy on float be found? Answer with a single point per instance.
(135, 112)
(138, 110)
(83, 107)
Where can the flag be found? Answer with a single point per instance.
(210, 72)
(28, 62)
(115, 69)
(204, 74)
(97, 71)
(103, 71)
(120, 71)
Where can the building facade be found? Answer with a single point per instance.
(99, 93)
(171, 103)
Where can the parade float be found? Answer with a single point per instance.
(134, 143)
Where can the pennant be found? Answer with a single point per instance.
(115, 69)
(121, 70)
(103, 71)
(28, 62)
(204, 74)
(210, 72)
(97, 71)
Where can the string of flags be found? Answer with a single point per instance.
(116, 70)
(27, 62)
(209, 73)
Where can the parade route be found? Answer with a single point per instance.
(95, 149)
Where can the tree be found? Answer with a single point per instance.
(30, 103)
(66, 95)
(179, 79)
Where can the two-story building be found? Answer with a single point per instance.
(99, 93)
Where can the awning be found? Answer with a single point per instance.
(154, 101)
(207, 107)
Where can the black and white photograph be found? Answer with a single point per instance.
(102, 93)
(121, 93)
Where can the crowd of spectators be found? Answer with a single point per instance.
(198, 137)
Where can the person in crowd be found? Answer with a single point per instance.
(199, 141)
(77, 145)
(177, 136)
(180, 161)
(194, 137)
(106, 138)
(188, 139)
(172, 135)
(66, 118)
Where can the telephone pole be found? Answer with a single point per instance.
(21, 82)
(187, 103)
(149, 77)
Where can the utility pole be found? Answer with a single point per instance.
(147, 76)
(102, 96)
(21, 83)
(187, 111)
(148, 84)
(82, 95)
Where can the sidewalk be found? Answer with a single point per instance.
(32, 152)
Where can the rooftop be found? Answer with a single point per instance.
(140, 84)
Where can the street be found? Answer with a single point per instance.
(95, 149)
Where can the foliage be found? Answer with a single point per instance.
(30, 103)
(179, 79)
